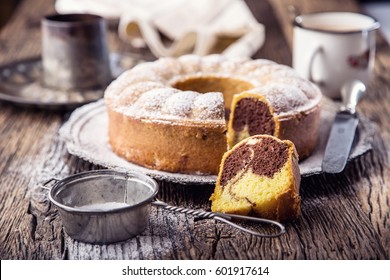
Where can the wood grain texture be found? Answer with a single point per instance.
(344, 216)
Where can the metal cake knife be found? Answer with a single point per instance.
(343, 129)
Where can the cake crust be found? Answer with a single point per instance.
(171, 147)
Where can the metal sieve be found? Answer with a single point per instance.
(106, 206)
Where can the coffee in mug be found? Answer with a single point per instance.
(333, 47)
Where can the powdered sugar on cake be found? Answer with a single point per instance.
(208, 106)
(283, 97)
(146, 91)
(172, 104)
(180, 103)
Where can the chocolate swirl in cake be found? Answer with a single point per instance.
(265, 158)
(255, 115)
(259, 176)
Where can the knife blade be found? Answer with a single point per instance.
(343, 129)
(340, 142)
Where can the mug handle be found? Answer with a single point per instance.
(319, 50)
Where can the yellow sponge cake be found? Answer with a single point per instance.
(259, 176)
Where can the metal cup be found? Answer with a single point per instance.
(74, 52)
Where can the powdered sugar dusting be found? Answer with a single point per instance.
(180, 103)
(208, 106)
(211, 63)
(131, 93)
(171, 104)
(151, 100)
(190, 63)
(283, 97)
(146, 92)
(165, 67)
(285, 73)
(252, 65)
(115, 89)
(309, 89)
(261, 72)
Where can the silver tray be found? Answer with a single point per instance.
(85, 134)
(21, 84)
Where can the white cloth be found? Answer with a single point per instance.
(193, 26)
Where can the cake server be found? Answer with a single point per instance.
(343, 129)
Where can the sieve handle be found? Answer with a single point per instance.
(44, 185)
(225, 218)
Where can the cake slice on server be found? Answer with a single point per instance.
(259, 176)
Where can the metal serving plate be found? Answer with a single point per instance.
(21, 84)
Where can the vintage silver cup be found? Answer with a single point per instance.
(104, 206)
(74, 52)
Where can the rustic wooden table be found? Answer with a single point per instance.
(344, 216)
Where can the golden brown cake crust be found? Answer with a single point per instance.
(302, 129)
(169, 147)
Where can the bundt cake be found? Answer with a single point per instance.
(259, 176)
(170, 114)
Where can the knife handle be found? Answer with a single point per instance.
(351, 93)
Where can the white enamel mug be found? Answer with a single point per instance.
(331, 48)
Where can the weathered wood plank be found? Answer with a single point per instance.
(343, 217)
(27, 135)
